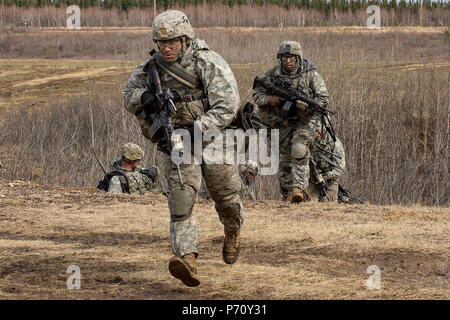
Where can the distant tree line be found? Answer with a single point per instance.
(324, 6)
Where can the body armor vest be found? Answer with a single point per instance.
(190, 100)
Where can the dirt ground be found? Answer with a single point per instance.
(306, 251)
(36, 82)
(121, 242)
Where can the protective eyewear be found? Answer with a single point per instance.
(288, 58)
(168, 43)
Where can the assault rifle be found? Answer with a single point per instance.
(151, 173)
(283, 89)
(98, 161)
(322, 152)
(345, 196)
(163, 100)
(322, 184)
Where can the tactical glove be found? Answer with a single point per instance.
(274, 101)
(317, 136)
(301, 106)
(147, 101)
(152, 172)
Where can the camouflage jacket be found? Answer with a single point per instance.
(218, 86)
(306, 78)
(324, 167)
(247, 188)
(137, 182)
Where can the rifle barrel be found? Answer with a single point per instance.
(326, 151)
(290, 95)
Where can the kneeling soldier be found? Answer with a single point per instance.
(329, 160)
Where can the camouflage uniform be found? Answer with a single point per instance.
(250, 167)
(297, 131)
(215, 104)
(137, 182)
(326, 169)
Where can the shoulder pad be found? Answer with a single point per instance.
(198, 47)
(198, 44)
(274, 70)
(115, 173)
(307, 66)
(145, 65)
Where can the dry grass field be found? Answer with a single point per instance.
(36, 82)
(308, 251)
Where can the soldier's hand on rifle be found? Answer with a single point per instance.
(274, 101)
(301, 106)
(152, 173)
(147, 101)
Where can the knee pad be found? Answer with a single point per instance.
(299, 151)
(181, 202)
(229, 210)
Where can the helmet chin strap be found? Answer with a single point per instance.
(183, 47)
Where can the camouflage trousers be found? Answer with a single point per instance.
(223, 184)
(294, 173)
(332, 193)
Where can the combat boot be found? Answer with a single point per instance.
(295, 196)
(185, 269)
(231, 246)
(306, 195)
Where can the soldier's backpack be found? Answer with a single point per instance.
(104, 184)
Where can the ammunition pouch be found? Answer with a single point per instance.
(188, 112)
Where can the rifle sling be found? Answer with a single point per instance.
(329, 161)
(326, 151)
(178, 73)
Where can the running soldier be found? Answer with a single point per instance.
(329, 159)
(204, 89)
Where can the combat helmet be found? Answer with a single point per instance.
(132, 152)
(290, 47)
(171, 24)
